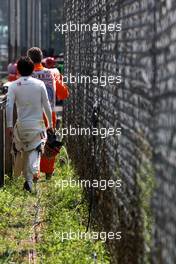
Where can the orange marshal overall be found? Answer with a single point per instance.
(56, 91)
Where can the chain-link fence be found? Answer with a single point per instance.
(143, 105)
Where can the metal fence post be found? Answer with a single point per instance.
(2, 146)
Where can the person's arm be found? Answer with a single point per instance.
(9, 108)
(62, 91)
(46, 105)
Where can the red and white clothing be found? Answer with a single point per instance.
(31, 99)
(56, 91)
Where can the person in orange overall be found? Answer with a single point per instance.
(49, 63)
(56, 89)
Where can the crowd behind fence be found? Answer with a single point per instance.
(143, 105)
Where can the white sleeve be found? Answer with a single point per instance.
(46, 104)
(10, 106)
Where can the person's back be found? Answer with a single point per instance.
(47, 77)
(28, 98)
(31, 99)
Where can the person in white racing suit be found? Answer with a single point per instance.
(29, 133)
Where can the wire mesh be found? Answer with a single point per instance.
(143, 105)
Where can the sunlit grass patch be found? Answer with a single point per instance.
(45, 215)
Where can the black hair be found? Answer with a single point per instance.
(35, 54)
(25, 66)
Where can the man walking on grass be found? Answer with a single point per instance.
(29, 134)
(56, 90)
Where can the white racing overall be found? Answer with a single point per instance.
(31, 99)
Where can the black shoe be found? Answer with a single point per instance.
(49, 176)
(27, 187)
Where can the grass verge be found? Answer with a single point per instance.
(31, 226)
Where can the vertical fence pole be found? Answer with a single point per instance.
(2, 146)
